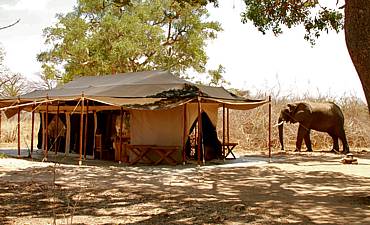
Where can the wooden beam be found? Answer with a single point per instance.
(32, 128)
(46, 131)
(56, 141)
(269, 141)
(68, 108)
(86, 126)
(0, 125)
(223, 131)
(19, 132)
(81, 127)
(199, 131)
(43, 130)
(95, 129)
(120, 137)
(68, 133)
(228, 125)
(184, 137)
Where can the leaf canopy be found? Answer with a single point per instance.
(111, 36)
(272, 15)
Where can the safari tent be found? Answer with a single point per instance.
(141, 117)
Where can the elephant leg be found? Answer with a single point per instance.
(307, 141)
(302, 132)
(342, 137)
(335, 148)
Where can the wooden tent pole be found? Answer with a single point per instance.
(95, 129)
(200, 131)
(120, 136)
(228, 125)
(46, 130)
(57, 130)
(81, 127)
(0, 125)
(223, 131)
(19, 130)
(86, 126)
(32, 127)
(269, 141)
(184, 137)
(68, 133)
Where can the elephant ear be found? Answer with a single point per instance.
(302, 112)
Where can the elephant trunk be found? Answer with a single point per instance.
(281, 131)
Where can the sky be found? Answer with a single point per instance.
(285, 66)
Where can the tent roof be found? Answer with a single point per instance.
(161, 89)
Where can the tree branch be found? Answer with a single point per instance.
(2, 28)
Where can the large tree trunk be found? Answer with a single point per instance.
(357, 33)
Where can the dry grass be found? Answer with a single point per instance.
(248, 128)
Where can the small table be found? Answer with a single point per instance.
(142, 151)
(230, 147)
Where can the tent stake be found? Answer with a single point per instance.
(81, 127)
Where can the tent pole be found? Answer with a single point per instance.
(32, 127)
(46, 130)
(81, 127)
(56, 142)
(86, 126)
(200, 143)
(120, 137)
(0, 125)
(228, 125)
(269, 141)
(68, 133)
(223, 131)
(184, 137)
(43, 130)
(19, 130)
(95, 128)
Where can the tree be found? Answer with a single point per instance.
(216, 76)
(11, 84)
(112, 36)
(273, 14)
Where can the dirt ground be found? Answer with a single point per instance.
(295, 188)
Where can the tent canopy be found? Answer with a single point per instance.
(137, 90)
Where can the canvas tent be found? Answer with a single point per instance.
(156, 107)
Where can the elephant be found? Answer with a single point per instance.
(324, 117)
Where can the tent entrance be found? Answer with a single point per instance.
(210, 145)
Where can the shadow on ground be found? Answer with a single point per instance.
(111, 194)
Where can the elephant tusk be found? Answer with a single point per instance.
(278, 124)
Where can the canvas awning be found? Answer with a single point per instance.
(148, 90)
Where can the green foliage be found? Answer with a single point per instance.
(216, 76)
(273, 14)
(112, 36)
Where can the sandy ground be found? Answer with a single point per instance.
(295, 188)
